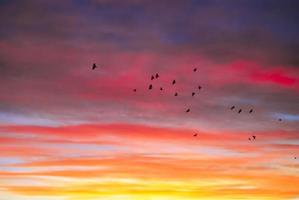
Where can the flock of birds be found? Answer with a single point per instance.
(156, 76)
(240, 110)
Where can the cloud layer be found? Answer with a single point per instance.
(67, 132)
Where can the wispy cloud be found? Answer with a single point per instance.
(67, 132)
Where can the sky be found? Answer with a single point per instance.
(68, 132)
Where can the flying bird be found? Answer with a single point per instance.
(157, 75)
(173, 82)
(195, 69)
(280, 119)
(94, 66)
(176, 94)
(152, 78)
(188, 110)
(134, 90)
(240, 111)
(249, 138)
(232, 107)
(295, 157)
(251, 110)
(161, 88)
(254, 137)
(193, 93)
(195, 135)
(150, 87)
(199, 87)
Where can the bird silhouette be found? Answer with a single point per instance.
(94, 66)
(249, 138)
(188, 110)
(199, 87)
(295, 157)
(176, 94)
(134, 90)
(150, 87)
(233, 107)
(254, 137)
(193, 93)
(195, 69)
(161, 88)
(157, 75)
(173, 82)
(240, 111)
(195, 135)
(251, 110)
(280, 119)
(152, 78)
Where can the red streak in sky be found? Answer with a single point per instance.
(278, 78)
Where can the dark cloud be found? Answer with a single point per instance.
(48, 47)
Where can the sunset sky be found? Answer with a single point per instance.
(68, 132)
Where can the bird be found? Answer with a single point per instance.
(188, 110)
(161, 88)
(249, 138)
(240, 111)
(251, 110)
(199, 87)
(157, 75)
(195, 69)
(193, 93)
(134, 90)
(173, 82)
(280, 119)
(253, 137)
(150, 87)
(152, 78)
(195, 135)
(176, 94)
(233, 107)
(295, 158)
(94, 66)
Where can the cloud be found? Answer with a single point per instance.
(69, 132)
